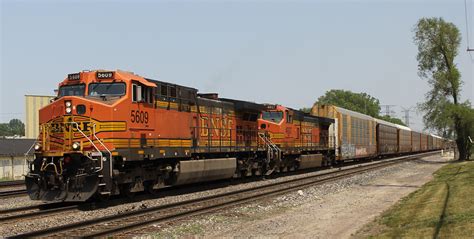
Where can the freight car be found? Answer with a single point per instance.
(387, 138)
(361, 136)
(423, 142)
(114, 132)
(404, 139)
(416, 141)
(354, 133)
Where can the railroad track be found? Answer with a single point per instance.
(12, 193)
(28, 212)
(15, 188)
(6, 184)
(129, 222)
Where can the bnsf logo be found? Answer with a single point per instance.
(216, 126)
(62, 127)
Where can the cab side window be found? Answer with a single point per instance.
(136, 93)
(289, 118)
(142, 94)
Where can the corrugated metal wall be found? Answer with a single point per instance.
(32, 105)
(13, 168)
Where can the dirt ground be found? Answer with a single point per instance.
(335, 210)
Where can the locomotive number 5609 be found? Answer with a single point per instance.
(138, 116)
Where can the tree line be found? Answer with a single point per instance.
(13, 128)
(358, 102)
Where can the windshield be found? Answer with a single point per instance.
(71, 90)
(107, 89)
(275, 116)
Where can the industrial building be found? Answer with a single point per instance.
(14, 154)
(32, 105)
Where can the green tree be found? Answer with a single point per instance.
(17, 127)
(13, 128)
(5, 130)
(438, 43)
(359, 102)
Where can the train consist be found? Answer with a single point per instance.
(114, 132)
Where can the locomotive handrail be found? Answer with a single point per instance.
(103, 145)
(31, 147)
(92, 143)
(272, 149)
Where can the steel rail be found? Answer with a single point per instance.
(130, 221)
(5, 184)
(12, 193)
(28, 212)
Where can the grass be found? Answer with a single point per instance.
(442, 208)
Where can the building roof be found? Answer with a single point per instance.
(15, 147)
(46, 96)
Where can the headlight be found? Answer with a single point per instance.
(37, 147)
(76, 145)
(68, 103)
(68, 110)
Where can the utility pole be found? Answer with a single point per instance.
(467, 28)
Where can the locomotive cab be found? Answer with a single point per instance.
(278, 124)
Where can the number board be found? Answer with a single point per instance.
(105, 75)
(271, 107)
(75, 76)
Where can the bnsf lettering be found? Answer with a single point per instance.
(137, 116)
(62, 127)
(216, 127)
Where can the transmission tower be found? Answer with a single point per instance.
(388, 110)
(407, 114)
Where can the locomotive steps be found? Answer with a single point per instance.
(133, 220)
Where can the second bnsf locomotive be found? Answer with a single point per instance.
(114, 132)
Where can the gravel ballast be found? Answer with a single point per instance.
(333, 210)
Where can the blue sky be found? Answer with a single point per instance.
(286, 52)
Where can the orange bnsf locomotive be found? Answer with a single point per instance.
(114, 132)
